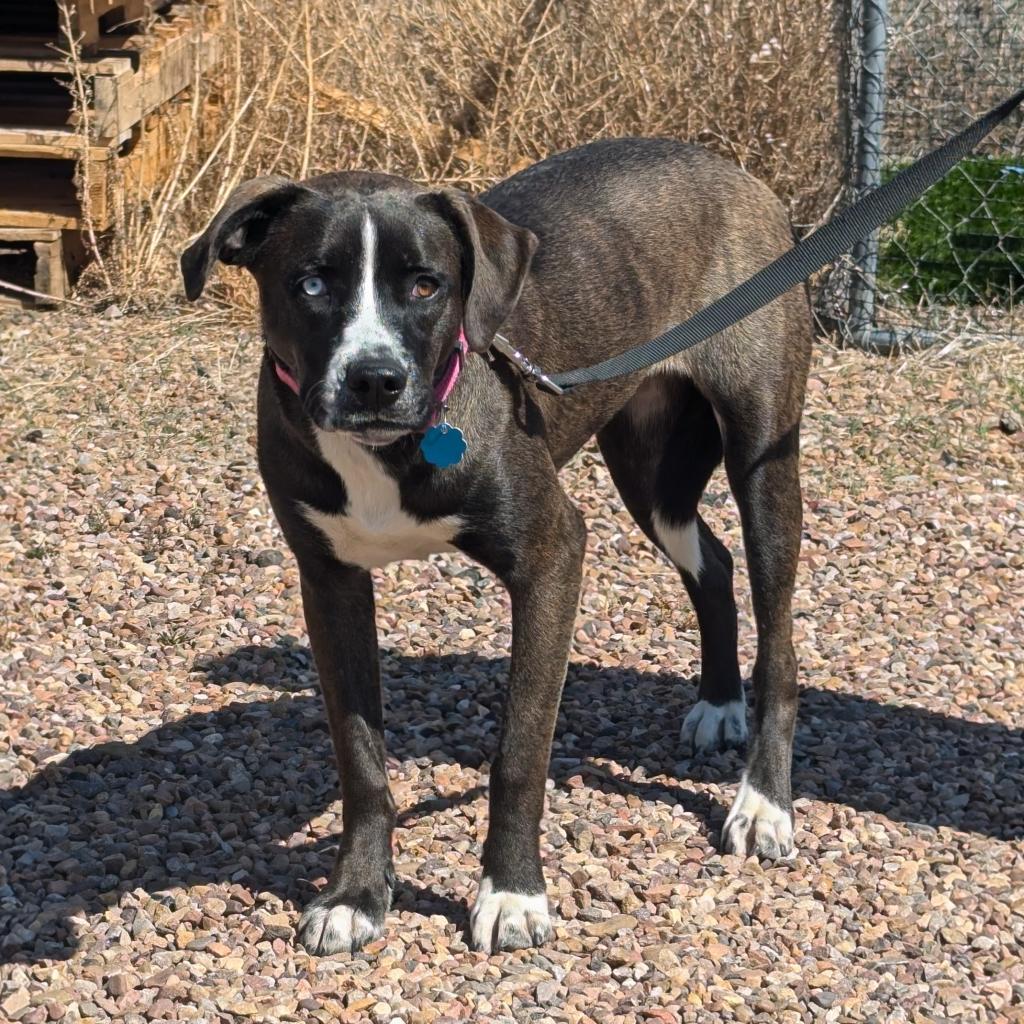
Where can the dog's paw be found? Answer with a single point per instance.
(758, 825)
(508, 920)
(330, 925)
(710, 727)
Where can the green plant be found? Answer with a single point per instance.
(172, 637)
(963, 241)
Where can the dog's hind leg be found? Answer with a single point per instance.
(764, 475)
(758, 402)
(661, 451)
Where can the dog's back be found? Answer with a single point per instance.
(704, 222)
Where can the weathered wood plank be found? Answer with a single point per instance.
(51, 278)
(45, 193)
(52, 264)
(12, 234)
(168, 61)
(61, 144)
(149, 69)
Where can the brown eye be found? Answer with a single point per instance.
(424, 288)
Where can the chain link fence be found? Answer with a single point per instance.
(952, 267)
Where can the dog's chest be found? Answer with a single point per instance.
(374, 529)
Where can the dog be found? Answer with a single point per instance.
(380, 303)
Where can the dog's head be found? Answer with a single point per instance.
(365, 281)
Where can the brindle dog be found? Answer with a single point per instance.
(367, 285)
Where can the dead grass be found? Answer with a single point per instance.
(466, 92)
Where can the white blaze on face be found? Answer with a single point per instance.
(366, 334)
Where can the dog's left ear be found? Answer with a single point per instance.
(236, 231)
(496, 256)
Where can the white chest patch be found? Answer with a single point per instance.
(374, 529)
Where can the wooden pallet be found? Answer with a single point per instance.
(47, 192)
(43, 249)
(55, 179)
(37, 26)
(40, 263)
(37, 112)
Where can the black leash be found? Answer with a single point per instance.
(815, 251)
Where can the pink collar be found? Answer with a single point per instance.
(284, 376)
(446, 385)
(442, 390)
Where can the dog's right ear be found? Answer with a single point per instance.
(236, 232)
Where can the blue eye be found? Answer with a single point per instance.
(314, 286)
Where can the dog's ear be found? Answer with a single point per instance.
(237, 230)
(495, 259)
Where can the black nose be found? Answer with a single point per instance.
(376, 383)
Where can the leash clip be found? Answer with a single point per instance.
(531, 371)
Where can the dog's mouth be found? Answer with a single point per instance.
(373, 432)
(378, 437)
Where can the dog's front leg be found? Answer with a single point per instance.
(349, 912)
(511, 909)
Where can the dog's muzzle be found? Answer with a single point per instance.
(376, 385)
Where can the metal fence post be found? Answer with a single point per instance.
(869, 123)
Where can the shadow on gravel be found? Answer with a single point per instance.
(213, 798)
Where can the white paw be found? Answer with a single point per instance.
(710, 727)
(758, 825)
(327, 927)
(508, 920)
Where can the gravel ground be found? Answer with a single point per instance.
(168, 792)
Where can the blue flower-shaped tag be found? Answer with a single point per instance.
(443, 445)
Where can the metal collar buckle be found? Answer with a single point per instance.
(531, 371)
